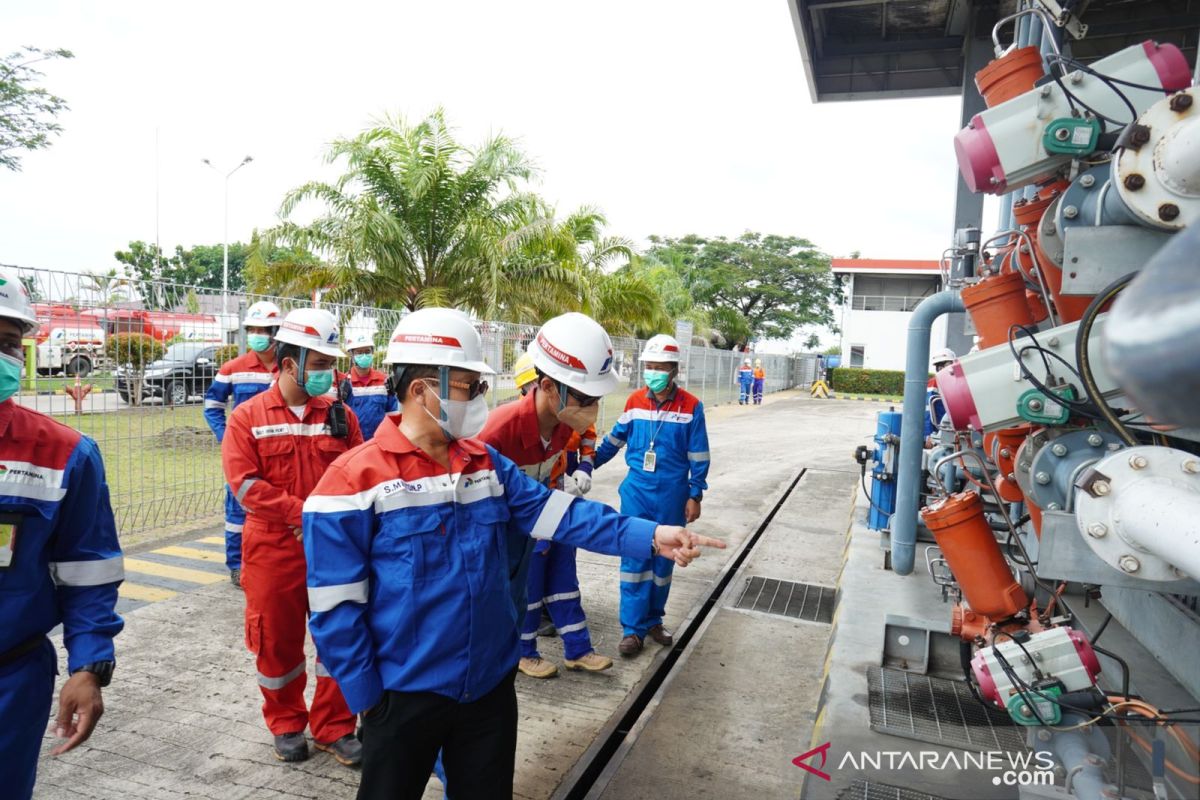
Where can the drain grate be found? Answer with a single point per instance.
(797, 600)
(938, 711)
(867, 790)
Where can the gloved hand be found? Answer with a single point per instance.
(571, 487)
(583, 481)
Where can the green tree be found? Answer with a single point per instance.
(27, 111)
(415, 219)
(31, 288)
(755, 286)
(107, 288)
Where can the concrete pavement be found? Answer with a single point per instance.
(183, 715)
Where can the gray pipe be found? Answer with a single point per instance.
(1080, 753)
(912, 425)
(1151, 334)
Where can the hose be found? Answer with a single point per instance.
(1082, 360)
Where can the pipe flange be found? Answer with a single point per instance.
(1158, 175)
(1055, 466)
(1098, 512)
(1023, 466)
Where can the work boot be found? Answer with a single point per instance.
(537, 667)
(661, 635)
(592, 662)
(291, 747)
(631, 645)
(347, 750)
(235, 577)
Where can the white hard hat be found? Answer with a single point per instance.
(573, 349)
(944, 356)
(357, 340)
(440, 337)
(263, 314)
(14, 301)
(311, 328)
(661, 348)
(747, 362)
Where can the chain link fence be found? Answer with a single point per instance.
(127, 362)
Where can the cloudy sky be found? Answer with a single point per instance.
(671, 116)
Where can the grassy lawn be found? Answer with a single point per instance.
(163, 467)
(100, 380)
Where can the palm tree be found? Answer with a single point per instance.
(416, 219)
(107, 288)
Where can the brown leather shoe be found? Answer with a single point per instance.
(631, 645)
(661, 635)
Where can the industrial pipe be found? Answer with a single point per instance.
(1161, 518)
(912, 427)
(1081, 752)
(1150, 339)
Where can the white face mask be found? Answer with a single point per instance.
(579, 418)
(464, 418)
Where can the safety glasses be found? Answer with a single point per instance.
(474, 388)
(584, 400)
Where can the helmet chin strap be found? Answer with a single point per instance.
(562, 395)
(443, 391)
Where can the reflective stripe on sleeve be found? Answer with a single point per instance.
(233, 527)
(245, 487)
(614, 441)
(325, 598)
(637, 577)
(214, 404)
(661, 580)
(278, 683)
(698, 456)
(551, 516)
(88, 573)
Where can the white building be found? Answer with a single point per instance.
(880, 295)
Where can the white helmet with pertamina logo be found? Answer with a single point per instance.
(438, 337)
(574, 350)
(14, 301)
(313, 329)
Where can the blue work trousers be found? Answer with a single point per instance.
(235, 519)
(26, 689)
(758, 390)
(744, 394)
(553, 584)
(646, 583)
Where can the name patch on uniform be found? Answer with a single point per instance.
(266, 431)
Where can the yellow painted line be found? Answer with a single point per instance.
(193, 553)
(151, 594)
(212, 540)
(172, 572)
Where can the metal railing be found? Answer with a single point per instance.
(141, 398)
(884, 302)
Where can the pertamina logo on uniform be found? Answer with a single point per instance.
(8, 473)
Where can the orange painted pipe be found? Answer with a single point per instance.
(995, 304)
(1010, 76)
(971, 551)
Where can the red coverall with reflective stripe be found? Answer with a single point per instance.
(272, 462)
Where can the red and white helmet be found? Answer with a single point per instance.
(14, 301)
(263, 314)
(311, 328)
(439, 337)
(357, 340)
(661, 348)
(573, 349)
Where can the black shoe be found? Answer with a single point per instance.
(347, 750)
(291, 747)
(235, 577)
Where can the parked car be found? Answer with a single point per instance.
(181, 376)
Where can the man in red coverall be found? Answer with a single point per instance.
(572, 356)
(276, 447)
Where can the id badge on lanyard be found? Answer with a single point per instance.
(10, 525)
(649, 459)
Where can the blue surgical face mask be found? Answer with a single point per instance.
(364, 360)
(10, 375)
(318, 382)
(259, 342)
(656, 380)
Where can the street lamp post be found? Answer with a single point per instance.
(225, 275)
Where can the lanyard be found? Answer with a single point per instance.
(661, 421)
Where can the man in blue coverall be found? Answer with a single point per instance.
(940, 360)
(59, 563)
(663, 426)
(242, 378)
(745, 379)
